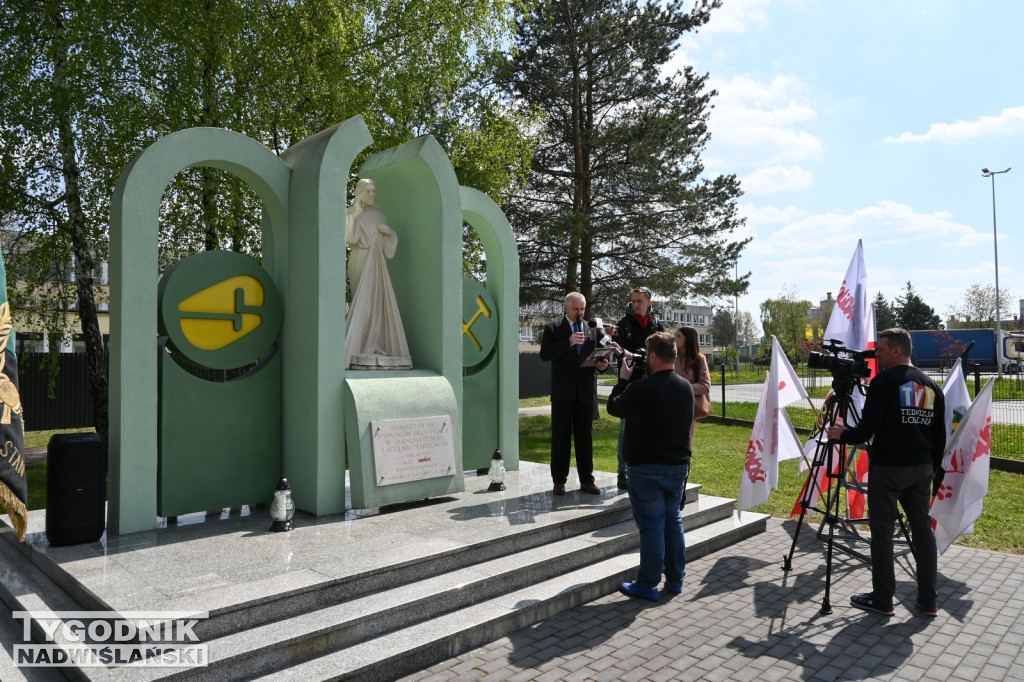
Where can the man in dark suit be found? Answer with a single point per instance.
(566, 343)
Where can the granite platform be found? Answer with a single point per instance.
(342, 596)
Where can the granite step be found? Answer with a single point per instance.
(411, 612)
(423, 644)
(277, 645)
(23, 587)
(259, 606)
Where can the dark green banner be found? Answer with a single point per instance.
(13, 487)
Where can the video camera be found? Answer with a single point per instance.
(638, 361)
(855, 367)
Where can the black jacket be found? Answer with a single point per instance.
(905, 412)
(632, 333)
(658, 413)
(569, 381)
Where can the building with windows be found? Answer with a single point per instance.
(27, 307)
(817, 317)
(532, 318)
(697, 316)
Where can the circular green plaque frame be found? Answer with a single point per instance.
(219, 309)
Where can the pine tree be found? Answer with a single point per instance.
(913, 313)
(885, 315)
(723, 327)
(616, 195)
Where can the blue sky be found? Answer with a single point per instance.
(870, 120)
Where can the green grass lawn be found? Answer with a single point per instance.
(40, 439)
(1006, 438)
(718, 454)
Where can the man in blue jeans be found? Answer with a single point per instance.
(657, 411)
(631, 332)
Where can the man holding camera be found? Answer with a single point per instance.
(566, 344)
(631, 333)
(905, 413)
(657, 412)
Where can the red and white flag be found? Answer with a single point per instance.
(773, 438)
(850, 322)
(958, 401)
(819, 482)
(958, 503)
(790, 388)
(855, 500)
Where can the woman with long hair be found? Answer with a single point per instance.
(692, 365)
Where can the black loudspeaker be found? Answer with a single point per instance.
(76, 487)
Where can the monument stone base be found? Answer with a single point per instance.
(426, 463)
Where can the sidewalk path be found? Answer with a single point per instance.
(740, 617)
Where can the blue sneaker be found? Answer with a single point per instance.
(634, 590)
(673, 587)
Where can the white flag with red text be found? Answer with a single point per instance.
(849, 322)
(856, 500)
(852, 323)
(958, 503)
(790, 388)
(773, 438)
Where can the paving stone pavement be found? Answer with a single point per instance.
(741, 617)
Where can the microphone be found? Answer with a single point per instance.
(602, 339)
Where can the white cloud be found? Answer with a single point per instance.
(756, 124)
(1008, 122)
(765, 215)
(886, 224)
(776, 179)
(809, 252)
(738, 16)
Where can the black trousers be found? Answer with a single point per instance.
(912, 487)
(572, 422)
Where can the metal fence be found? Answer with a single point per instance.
(71, 404)
(534, 376)
(735, 401)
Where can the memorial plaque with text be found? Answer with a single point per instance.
(412, 449)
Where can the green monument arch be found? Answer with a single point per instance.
(181, 443)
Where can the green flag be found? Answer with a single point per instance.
(13, 486)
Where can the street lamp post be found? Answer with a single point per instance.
(986, 173)
(736, 317)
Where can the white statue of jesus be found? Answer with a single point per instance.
(374, 336)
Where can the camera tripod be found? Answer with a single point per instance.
(830, 459)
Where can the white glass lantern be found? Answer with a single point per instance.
(497, 472)
(282, 508)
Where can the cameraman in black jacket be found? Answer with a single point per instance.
(905, 412)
